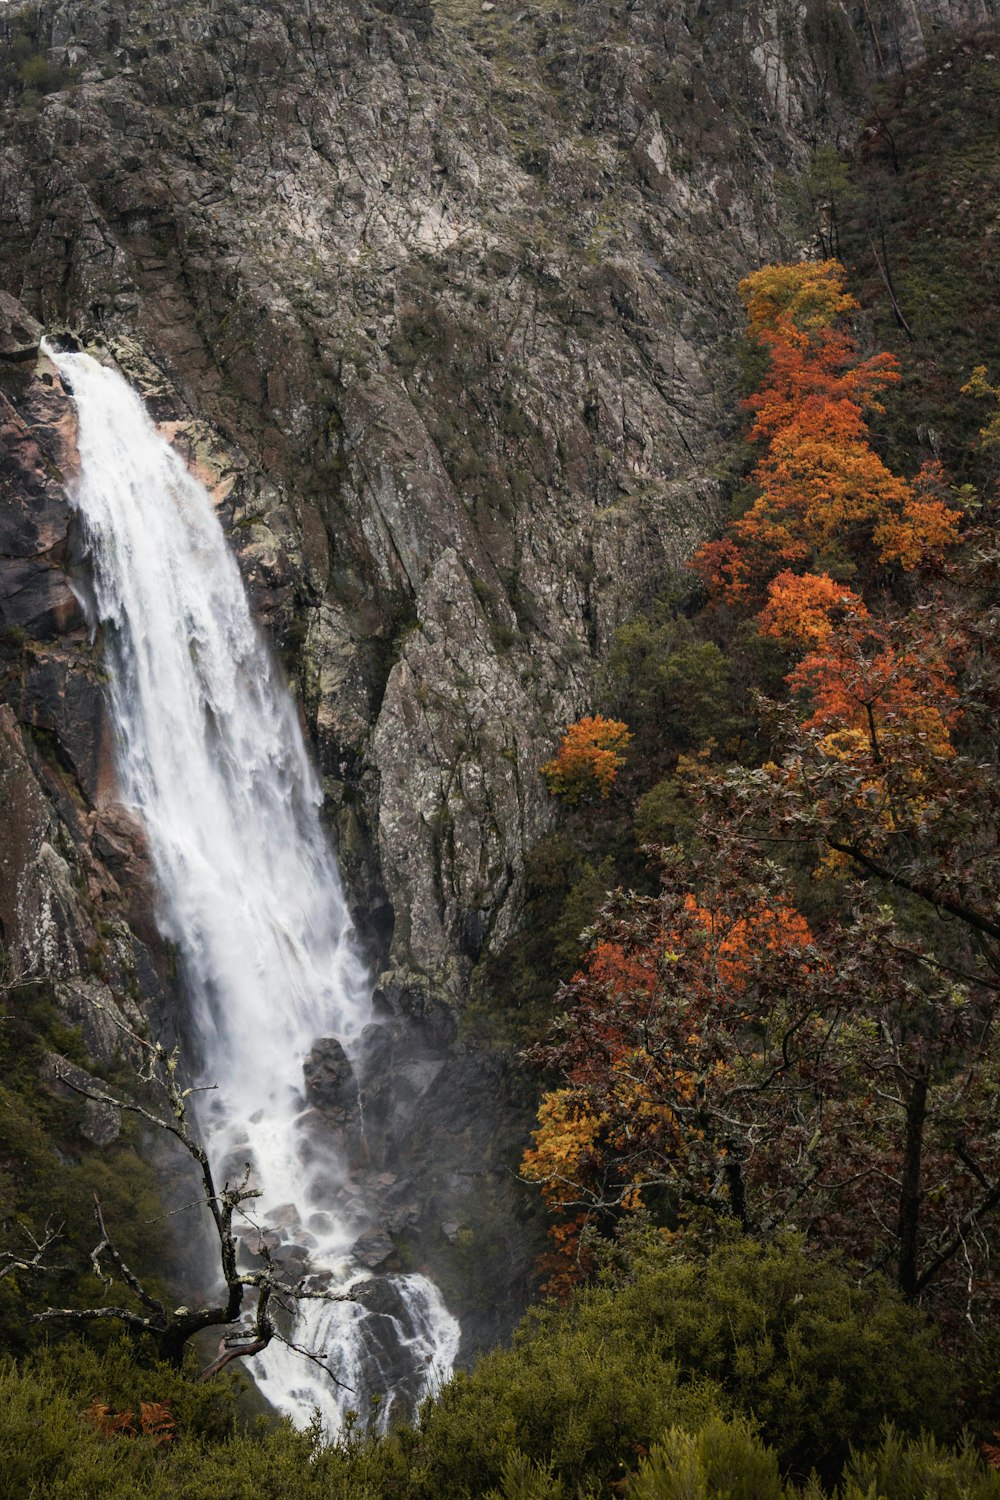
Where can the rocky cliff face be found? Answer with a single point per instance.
(439, 299)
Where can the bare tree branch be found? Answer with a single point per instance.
(172, 1328)
(129, 1277)
(11, 1260)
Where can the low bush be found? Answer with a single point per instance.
(734, 1374)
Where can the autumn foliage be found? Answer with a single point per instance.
(828, 509)
(980, 385)
(720, 1052)
(155, 1421)
(645, 1056)
(590, 755)
(824, 498)
(802, 608)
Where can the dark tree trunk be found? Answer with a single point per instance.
(909, 1193)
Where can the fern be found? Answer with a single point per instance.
(157, 1421)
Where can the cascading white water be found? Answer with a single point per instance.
(212, 759)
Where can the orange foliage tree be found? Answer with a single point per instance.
(874, 683)
(824, 497)
(717, 1053)
(646, 1056)
(590, 755)
(802, 608)
(863, 681)
(870, 688)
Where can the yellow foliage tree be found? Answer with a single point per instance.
(979, 384)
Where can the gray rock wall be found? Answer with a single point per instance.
(456, 290)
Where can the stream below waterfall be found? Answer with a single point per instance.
(211, 757)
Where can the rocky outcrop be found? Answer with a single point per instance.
(101, 1122)
(20, 334)
(75, 889)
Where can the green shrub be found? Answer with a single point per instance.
(819, 1361)
(523, 1480)
(722, 1461)
(122, 1377)
(675, 688)
(36, 73)
(685, 1381)
(663, 816)
(578, 1394)
(51, 1449)
(727, 1460)
(914, 1469)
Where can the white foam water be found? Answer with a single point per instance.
(212, 759)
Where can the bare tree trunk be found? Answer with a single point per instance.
(883, 269)
(908, 1229)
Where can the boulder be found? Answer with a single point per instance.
(101, 1122)
(330, 1083)
(373, 1248)
(20, 333)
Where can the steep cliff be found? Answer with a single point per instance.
(440, 300)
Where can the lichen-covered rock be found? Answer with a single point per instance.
(100, 1122)
(26, 824)
(460, 799)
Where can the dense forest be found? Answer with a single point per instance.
(746, 1016)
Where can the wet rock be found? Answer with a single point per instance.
(293, 1260)
(285, 1216)
(387, 1312)
(373, 1248)
(118, 842)
(376, 1045)
(404, 1216)
(235, 1166)
(330, 1082)
(421, 1074)
(380, 1296)
(319, 1281)
(415, 997)
(323, 1142)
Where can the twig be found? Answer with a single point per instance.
(316, 1358)
(10, 1261)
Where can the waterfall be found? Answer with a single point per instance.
(212, 759)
